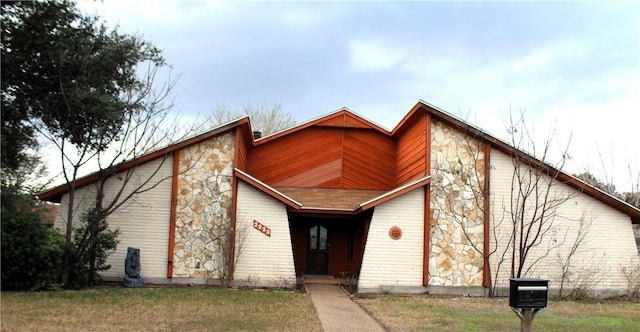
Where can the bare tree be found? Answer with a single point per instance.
(577, 275)
(522, 227)
(633, 197)
(632, 274)
(534, 200)
(630, 195)
(140, 133)
(265, 118)
(222, 235)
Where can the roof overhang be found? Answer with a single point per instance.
(296, 206)
(317, 121)
(55, 194)
(561, 176)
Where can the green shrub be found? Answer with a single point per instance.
(92, 243)
(32, 253)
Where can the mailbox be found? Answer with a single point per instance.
(528, 293)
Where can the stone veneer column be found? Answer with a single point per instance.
(457, 163)
(203, 211)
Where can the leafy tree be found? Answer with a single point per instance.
(16, 139)
(31, 252)
(65, 73)
(71, 80)
(16, 136)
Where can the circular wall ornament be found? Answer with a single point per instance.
(395, 233)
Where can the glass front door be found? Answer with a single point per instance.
(318, 251)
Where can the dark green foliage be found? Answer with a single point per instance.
(17, 135)
(65, 76)
(93, 241)
(68, 75)
(31, 252)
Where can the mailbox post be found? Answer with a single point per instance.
(527, 296)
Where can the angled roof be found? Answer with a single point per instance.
(346, 118)
(350, 201)
(572, 181)
(330, 198)
(55, 194)
(343, 117)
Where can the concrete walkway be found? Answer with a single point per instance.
(338, 312)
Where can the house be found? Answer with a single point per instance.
(400, 210)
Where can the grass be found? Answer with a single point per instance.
(482, 314)
(213, 309)
(159, 309)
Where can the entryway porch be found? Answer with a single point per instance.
(328, 249)
(321, 279)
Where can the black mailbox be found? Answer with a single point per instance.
(528, 293)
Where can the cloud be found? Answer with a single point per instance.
(375, 55)
(476, 60)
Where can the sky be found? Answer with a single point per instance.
(572, 66)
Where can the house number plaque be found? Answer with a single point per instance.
(262, 228)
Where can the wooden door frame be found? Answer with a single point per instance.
(300, 224)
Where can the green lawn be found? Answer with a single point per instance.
(212, 309)
(481, 314)
(159, 309)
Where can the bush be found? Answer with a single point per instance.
(93, 242)
(32, 253)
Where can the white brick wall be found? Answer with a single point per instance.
(143, 221)
(608, 246)
(262, 259)
(389, 263)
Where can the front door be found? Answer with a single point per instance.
(318, 251)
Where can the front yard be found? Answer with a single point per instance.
(159, 309)
(482, 314)
(212, 309)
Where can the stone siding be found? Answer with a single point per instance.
(203, 211)
(457, 163)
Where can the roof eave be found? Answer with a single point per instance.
(317, 120)
(55, 194)
(614, 202)
(267, 189)
(394, 193)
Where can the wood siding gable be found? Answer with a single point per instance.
(412, 151)
(340, 151)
